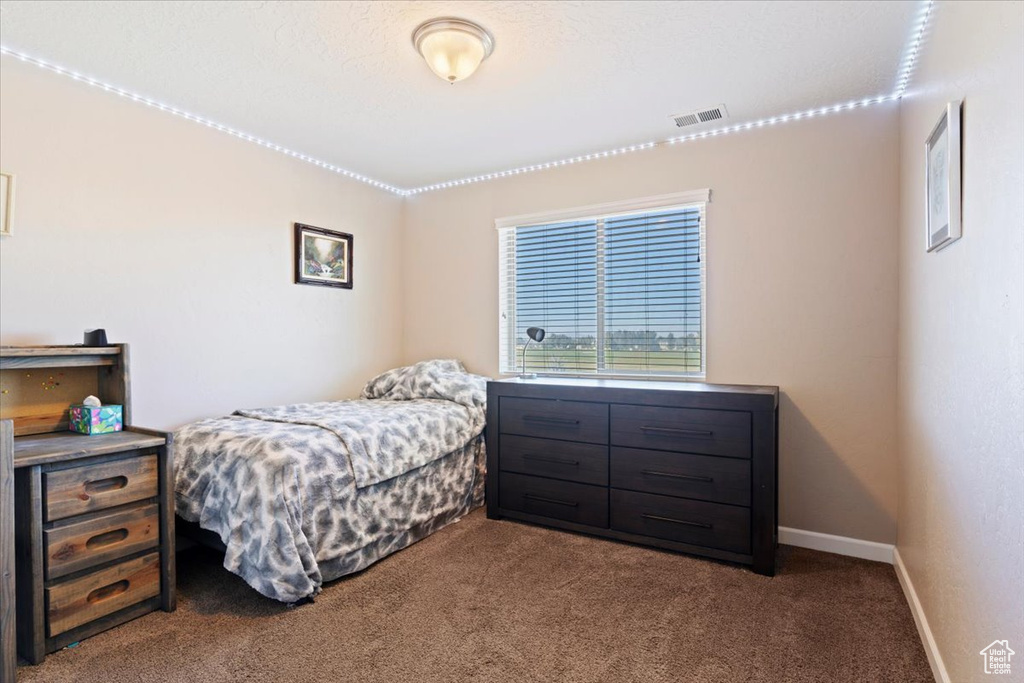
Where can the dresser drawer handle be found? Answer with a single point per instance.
(107, 592)
(105, 485)
(673, 475)
(677, 521)
(547, 458)
(540, 499)
(676, 430)
(106, 538)
(550, 420)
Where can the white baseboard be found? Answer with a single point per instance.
(840, 545)
(923, 629)
(879, 552)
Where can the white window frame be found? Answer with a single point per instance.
(506, 274)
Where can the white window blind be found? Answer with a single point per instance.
(618, 294)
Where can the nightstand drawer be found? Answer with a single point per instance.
(579, 503)
(96, 595)
(583, 462)
(692, 430)
(726, 527)
(78, 490)
(567, 420)
(83, 544)
(719, 480)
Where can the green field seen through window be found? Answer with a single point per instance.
(540, 359)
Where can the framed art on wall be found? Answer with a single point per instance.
(6, 202)
(942, 180)
(322, 257)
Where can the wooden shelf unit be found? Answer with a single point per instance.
(92, 517)
(39, 383)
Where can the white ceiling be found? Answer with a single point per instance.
(340, 81)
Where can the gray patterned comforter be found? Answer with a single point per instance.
(307, 493)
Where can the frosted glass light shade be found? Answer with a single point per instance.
(453, 48)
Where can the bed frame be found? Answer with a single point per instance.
(190, 534)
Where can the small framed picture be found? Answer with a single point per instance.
(6, 202)
(942, 180)
(322, 257)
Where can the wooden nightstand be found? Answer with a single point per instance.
(94, 515)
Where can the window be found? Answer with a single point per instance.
(618, 290)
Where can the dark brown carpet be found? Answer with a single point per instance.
(499, 601)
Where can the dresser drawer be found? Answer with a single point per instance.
(579, 503)
(677, 519)
(710, 432)
(719, 480)
(73, 603)
(583, 462)
(84, 489)
(82, 544)
(568, 420)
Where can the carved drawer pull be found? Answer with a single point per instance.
(107, 538)
(107, 592)
(105, 485)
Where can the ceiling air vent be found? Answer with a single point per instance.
(693, 118)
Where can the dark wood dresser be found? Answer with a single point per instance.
(93, 515)
(676, 465)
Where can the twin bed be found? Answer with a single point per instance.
(303, 494)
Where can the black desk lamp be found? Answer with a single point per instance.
(536, 334)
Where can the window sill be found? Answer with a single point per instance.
(667, 377)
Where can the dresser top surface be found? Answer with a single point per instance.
(642, 385)
(40, 449)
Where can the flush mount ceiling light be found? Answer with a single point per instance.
(453, 48)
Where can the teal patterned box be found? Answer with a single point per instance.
(95, 420)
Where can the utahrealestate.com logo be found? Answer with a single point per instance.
(997, 657)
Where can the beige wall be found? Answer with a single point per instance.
(801, 288)
(961, 340)
(178, 239)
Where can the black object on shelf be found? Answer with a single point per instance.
(97, 337)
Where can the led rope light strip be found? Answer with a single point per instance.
(771, 121)
(198, 119)
(910, 57)
(903, 79)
